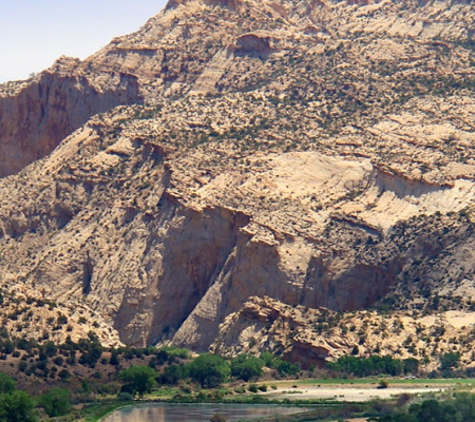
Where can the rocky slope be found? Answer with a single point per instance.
(315, 155)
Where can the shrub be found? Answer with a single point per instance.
(253, 388)
(56, 402)
(58, 360)
(176, 352)
(124, 396)
(22, 365)
(62, 319)
(287, 368)
(246, 368)
(64, 374)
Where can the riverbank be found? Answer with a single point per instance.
(348, 394)
(334, 394)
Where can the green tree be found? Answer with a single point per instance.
(269, 359)
(50, 349)
(56, 402)
(91, 356)
(459, 408)
(449, 360)
(287, 368)
(374, 365)
(282, 366)
(17, 407)
(114, 359)
(464, 402)
(433, 411)
(246, 367)
(161, 357)
(138, 379)
(91, 350)
(172, 374)
(7, 347)
(7, 383)
(64, 374)
(209, 370)
(411, 366)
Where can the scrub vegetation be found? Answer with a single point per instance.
(84, 381)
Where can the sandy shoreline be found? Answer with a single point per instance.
(357, 393)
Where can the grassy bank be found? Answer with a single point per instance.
(369, 381)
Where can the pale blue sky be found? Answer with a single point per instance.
(34, 33)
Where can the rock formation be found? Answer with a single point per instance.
(197, 180)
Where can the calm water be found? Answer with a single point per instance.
(196, 412)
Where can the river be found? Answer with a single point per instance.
(162, 412)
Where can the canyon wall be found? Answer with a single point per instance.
(195, 182)
(35, 120)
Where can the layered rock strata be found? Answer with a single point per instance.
(315, 154)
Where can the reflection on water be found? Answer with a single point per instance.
(196, 412)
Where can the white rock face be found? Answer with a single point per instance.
(316, 154)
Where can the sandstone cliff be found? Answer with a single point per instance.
(316, 154)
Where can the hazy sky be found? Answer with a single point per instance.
(34, 33)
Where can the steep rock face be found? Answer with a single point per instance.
(246, 273)
(183, 261)
(357, 288)
(54, 104)
(161, 254)
(315, 154)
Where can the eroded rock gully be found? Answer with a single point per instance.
(292, 164)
